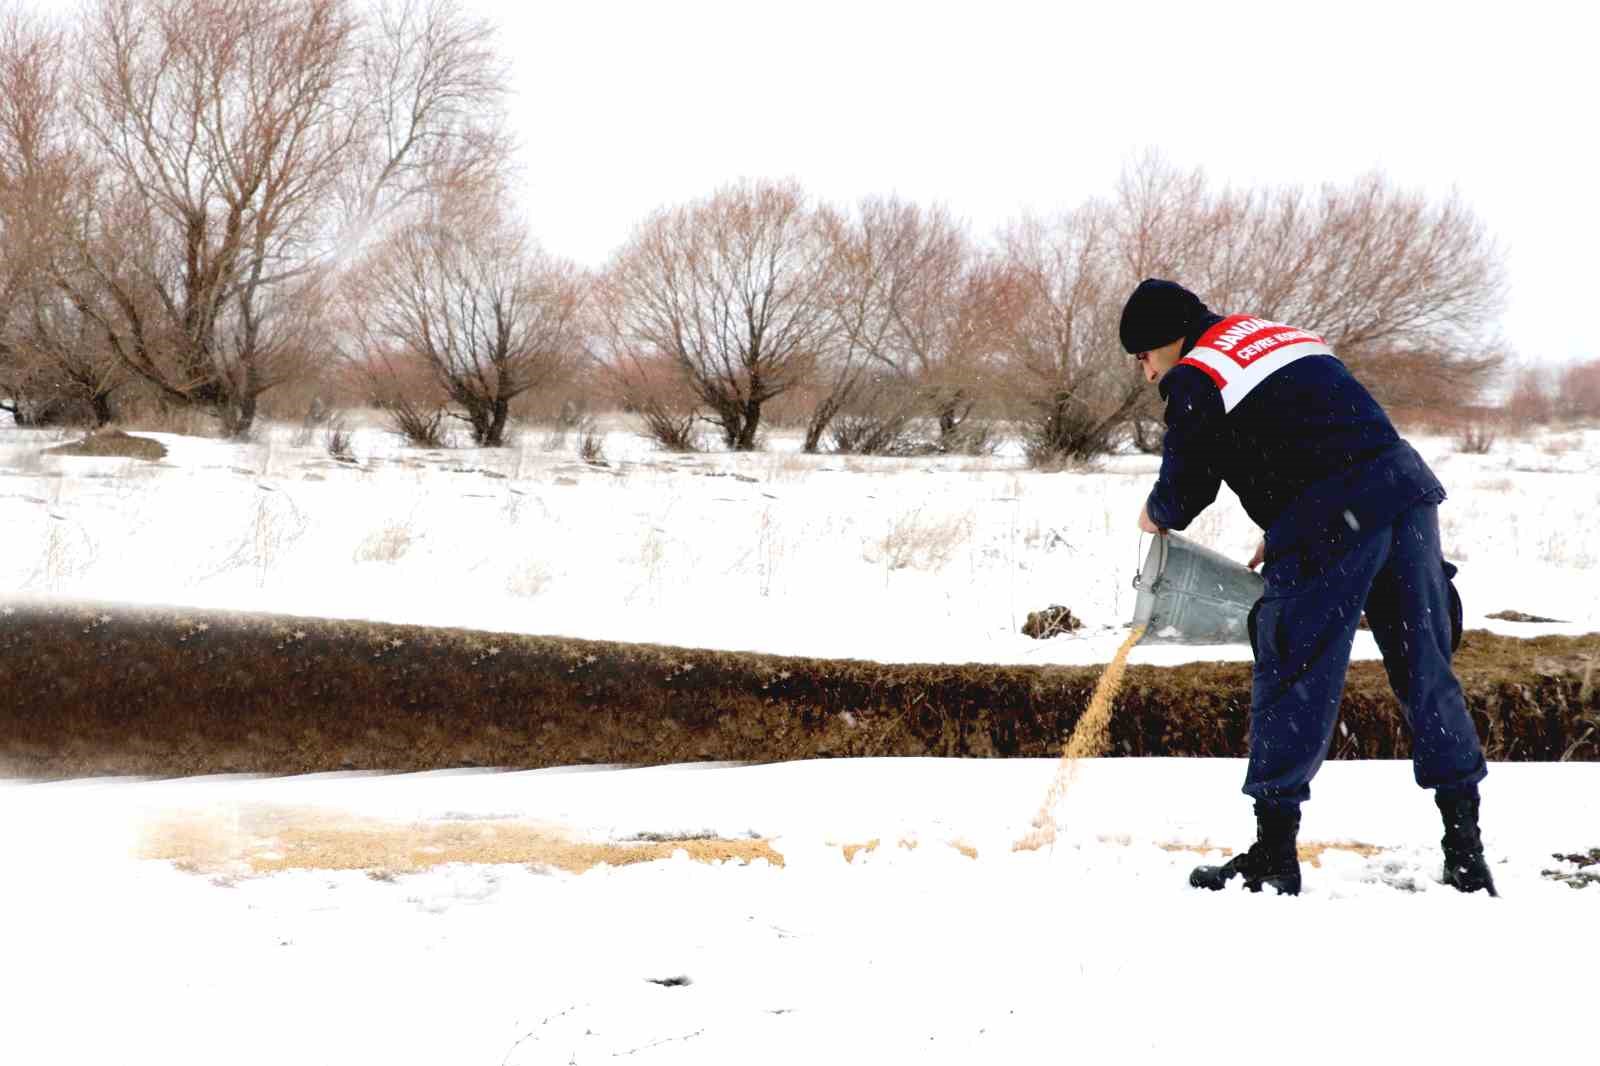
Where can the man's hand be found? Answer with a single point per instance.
(1147, 525)
(1259, 556)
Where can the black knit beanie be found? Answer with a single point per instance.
(1158, 313)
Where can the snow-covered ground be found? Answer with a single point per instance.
(914, 560)
(1094, 950)
(939, 944)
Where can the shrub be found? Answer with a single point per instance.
(1060, 432)
(591, 444)
(975, 438)
(385, 545)
(1578, 394)
(418, 424)
(336, 440)
(1476, 437)
(673, 429)
(316, 415)
(1530, 402)
(876, 433)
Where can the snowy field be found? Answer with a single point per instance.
(892, 922)
(939, 945)
(896, 560)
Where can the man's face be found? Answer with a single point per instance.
(1158, 361)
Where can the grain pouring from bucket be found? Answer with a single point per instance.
(1090, 737)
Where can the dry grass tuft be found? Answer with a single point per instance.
(591, 443)
(66, 555)
(275, 524)
(1562, 445)
(912, 542)
(385, 545)
(337, 439)
(529, 579)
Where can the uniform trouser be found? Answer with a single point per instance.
(1304, 627)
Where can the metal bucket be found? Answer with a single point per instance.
(1189, 594)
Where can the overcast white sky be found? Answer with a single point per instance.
(997, 107)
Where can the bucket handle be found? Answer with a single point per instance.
(1161, 567)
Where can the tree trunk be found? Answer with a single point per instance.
(728, 414)
(953, 412)
(100, 403)
(238, 414)
(1148, 436)
(500, 411)
(818, 424)
(752, 421)
(21, 415)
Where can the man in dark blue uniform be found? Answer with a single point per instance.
(1350, 512)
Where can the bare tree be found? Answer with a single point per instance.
(73, 375)
(953, 327)
(38, 169)
(1405, 289)
(241, 147)
(433, 86)
(732, 288)
(465, 293)
(1059, 341)
(1160, 217)
(914, 300)
(858, 281)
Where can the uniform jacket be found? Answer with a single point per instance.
(1269, 409)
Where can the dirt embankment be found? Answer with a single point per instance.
(113, 444)
(163, 692)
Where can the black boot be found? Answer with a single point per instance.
(1464, 865)
(1272, 860)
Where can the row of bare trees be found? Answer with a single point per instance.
(183, 184)
(1540, 395)
(204, 200)
(894, 315)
